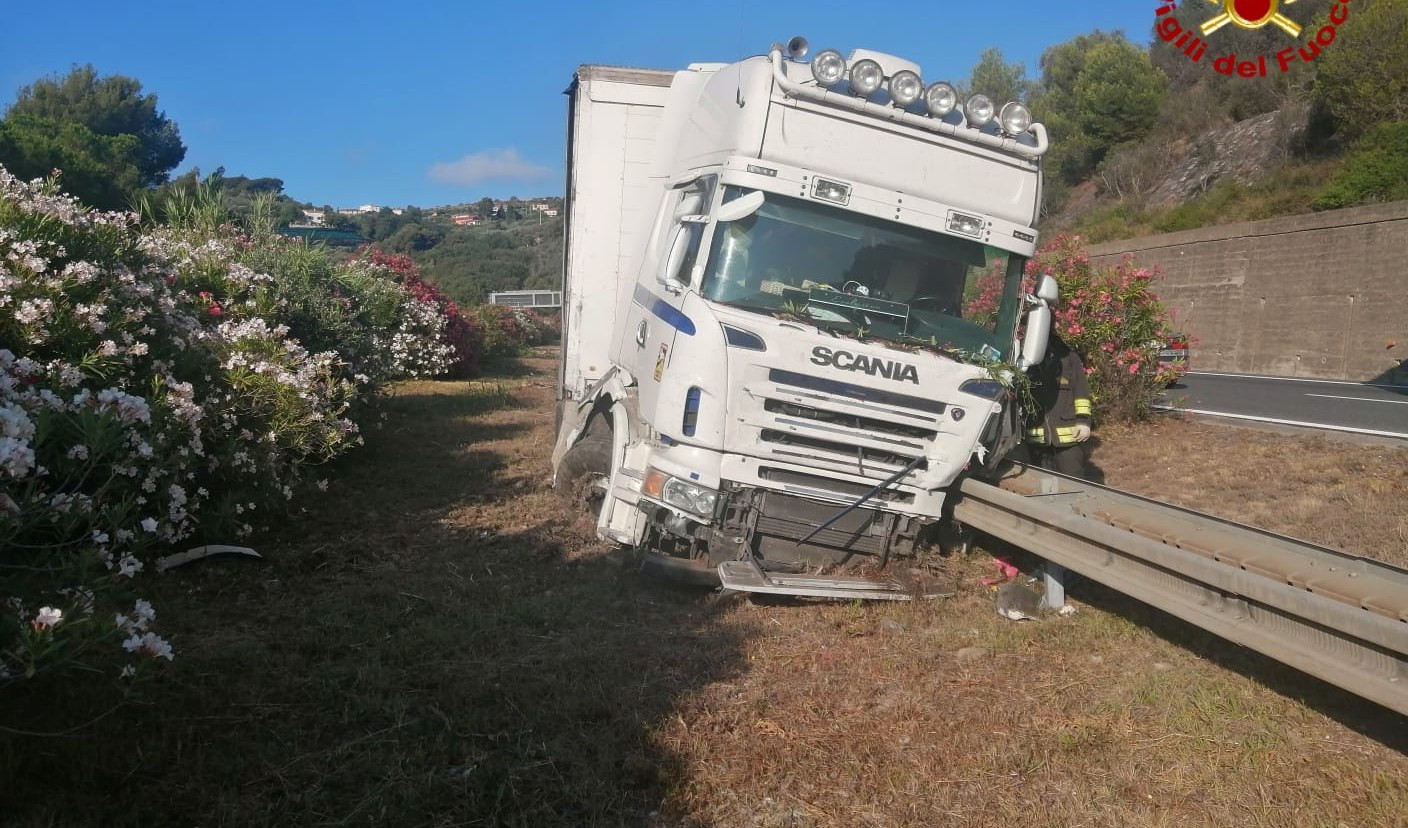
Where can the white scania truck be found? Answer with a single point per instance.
(792, 296)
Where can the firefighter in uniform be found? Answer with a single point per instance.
(1061, 423)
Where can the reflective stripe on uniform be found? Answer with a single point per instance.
(1082, 407)
(1064, 436)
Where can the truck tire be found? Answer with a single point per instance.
(582, 474)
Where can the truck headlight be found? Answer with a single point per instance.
(866, 77)
(940, 98)
(690, 497)
(978, 110)
(828, 67)
(905, 87)
(1015, 118)
(682, 494)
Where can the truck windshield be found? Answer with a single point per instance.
(864, 276)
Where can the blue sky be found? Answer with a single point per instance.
(430, 102)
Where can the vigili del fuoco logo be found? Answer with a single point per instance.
(1250, 14)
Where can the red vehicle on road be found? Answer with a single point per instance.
(1174, 353)
(1172, 359)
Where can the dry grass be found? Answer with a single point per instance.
(1333, 492)
(439, 642)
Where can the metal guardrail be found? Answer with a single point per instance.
(527, 298)
(1339, 617)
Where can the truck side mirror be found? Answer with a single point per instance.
(1048, 292)
(1047, 289)
(1038, 334)
(669, 274)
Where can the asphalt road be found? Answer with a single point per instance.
(1380, 410)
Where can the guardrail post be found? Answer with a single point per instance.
(1055, 578)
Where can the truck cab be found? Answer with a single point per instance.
(792, 300)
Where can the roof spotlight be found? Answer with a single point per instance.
(1015, 118)
(905, 87)
(866, 77)
(940, 98)
(828, 67)
(978, 110)
(798, 47)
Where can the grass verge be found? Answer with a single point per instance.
(439, 641)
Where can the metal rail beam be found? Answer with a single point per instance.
(1339, 617)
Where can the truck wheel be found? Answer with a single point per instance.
(582, 474)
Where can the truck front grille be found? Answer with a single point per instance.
(859, 393)
(815, 484)
(806, 447)
(868, 424)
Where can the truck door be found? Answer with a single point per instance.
(655, 318)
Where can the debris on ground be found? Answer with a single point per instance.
(1018, 602)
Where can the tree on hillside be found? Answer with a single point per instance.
(414, 238)
(99, 170)
(1363, 75)
(1118, 93)
(109, 106)
(1062, 64)
(999, 80)
(1073, 154)
(1097, 90)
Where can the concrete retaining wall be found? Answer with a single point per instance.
(1320, 295)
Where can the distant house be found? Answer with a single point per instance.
(540, 207)
(465, 220)
(549, 211)
(315, 218)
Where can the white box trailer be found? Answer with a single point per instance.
(771, 356)
(614, 117)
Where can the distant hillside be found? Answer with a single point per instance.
(1325, 133)
(469, 263)
(470, 250)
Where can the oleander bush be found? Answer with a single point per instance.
(1113, 318)
(1109, 314)
(462, 333)
(507, 331)
(161, 389)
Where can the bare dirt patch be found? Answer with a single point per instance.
(440, 641)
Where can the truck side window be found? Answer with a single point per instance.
(696, 234)
(694, 201)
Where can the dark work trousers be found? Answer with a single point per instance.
(1066, 460)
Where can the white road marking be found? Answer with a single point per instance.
(1325, 426)
(1360, 399)
(1294, 379)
